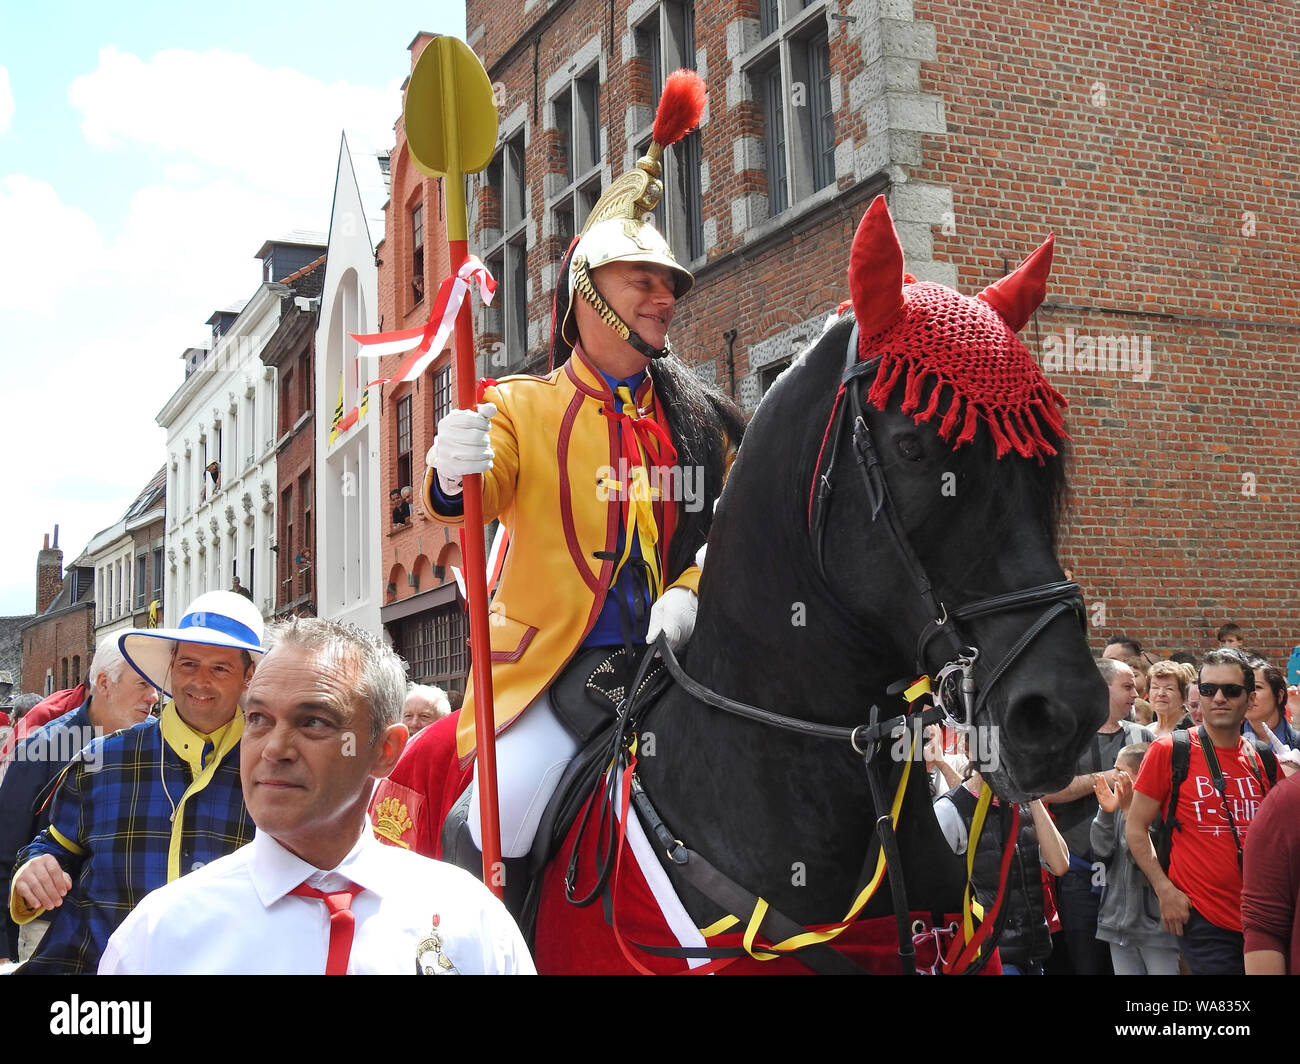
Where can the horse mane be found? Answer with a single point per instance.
(693, 409)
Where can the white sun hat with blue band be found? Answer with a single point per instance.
(215, 618)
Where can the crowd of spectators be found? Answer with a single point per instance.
(1159, 874)
(1174, 847)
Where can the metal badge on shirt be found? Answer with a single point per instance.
(429, 956)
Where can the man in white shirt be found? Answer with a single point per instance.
(315, 892)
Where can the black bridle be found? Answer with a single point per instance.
(848, 422)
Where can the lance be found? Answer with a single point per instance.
(451, 130)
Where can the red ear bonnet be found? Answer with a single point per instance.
(1022, 291)
(955, 359)
(876, 270)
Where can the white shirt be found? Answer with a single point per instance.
(236, 916)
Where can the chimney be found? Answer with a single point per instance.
(49, 572)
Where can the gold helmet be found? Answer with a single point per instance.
(620, 228)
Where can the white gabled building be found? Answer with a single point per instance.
(128, 562)
(348, 538)
(221, 445)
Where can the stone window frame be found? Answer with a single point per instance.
(800, 162)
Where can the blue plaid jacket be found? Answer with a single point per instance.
(115, 809)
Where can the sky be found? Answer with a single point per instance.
(147, 150)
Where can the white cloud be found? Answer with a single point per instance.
(6, 100)
(224, 111)
(186, 244)
(181, 173)
(50, 247)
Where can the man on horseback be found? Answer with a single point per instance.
(582, 467)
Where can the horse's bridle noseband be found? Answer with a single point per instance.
(1057, 596)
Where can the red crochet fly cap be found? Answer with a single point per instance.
(958, 354)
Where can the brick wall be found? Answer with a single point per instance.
(1156, 142)
(49, 641)
(295, 463)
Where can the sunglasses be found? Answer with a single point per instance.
(1230, 690)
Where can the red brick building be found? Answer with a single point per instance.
(421, 609)
(1153, 140)
(291, 351)
(59, 641)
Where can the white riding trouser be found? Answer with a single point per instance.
(532, 755)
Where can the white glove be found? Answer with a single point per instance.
(462, 445)
(673, 614)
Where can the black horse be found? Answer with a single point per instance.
(853, 548)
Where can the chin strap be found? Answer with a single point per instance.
(585, 285)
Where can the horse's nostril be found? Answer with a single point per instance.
(1034, 721)
(1036, 738)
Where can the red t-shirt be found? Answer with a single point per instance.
(1203, 859)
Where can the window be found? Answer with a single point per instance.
(417, 253)
(404, 442)
(791, 81)
(768, 374)
(666, 42)
(574, 184)
(286, 400)
(141, 580)
(64, 685)
(442, 393)
(286, 543)
(251, 426)
(576, 121)
(158, 574)
(505, 323)
(76, 669)
(302, 559)
(304, 386)
(433, 645)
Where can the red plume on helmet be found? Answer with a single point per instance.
(957, 358)
(680, 107)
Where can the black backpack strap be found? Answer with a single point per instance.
(1180, 762)
(1266, 755)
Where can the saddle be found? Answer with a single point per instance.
(587, 699)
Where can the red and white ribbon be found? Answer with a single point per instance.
(427, 343)
(495, 563)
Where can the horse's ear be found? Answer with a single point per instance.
(1020, 292)
(876, 270)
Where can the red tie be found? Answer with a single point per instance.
(342, 921)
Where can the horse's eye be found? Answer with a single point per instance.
(909, 446)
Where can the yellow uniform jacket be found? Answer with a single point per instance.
(556, 454)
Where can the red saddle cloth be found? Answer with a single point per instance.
(574, 941)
